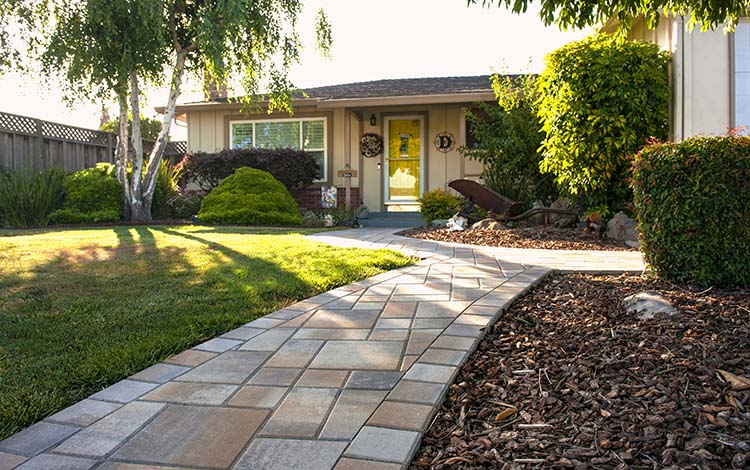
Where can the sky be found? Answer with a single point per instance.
(371, 40)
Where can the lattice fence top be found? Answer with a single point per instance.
(16, 124)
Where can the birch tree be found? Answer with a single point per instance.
(115, 48)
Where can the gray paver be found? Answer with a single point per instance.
(85, 412)
(160, 373)
(373, 380)
(191, 358)
(301, 413)
(359, 355)
(459, 343)
(264, 322)
(194, 436)
(191, 393)
(290, 454)
(352, 409)
(243, 333)
(342, 319)
(388, 445)
(57, 462)
(270, 340)
(229, 367)
(37, 438)
(430, 373)
(417, 392)
(218, 345)
(105, 435)
(275, 376)
(332, 333)
(124, 391)
(295, 353)
(446, 357)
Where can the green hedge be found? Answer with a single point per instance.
(92, 195)
(250, 197)
(692, 200)
(438, 204)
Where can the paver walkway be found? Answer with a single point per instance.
(348, 379)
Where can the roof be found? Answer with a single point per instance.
(383, 92)
(399, 87)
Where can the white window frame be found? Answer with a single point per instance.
(301, 136)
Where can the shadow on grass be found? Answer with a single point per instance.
(86, 316)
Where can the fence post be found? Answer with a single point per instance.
(39, 144)
(110, 149)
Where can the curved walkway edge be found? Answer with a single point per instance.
(348, 379)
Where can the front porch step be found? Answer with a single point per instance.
(393, 219)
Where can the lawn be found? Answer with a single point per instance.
(83, 308)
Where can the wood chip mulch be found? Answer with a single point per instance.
(568, 379)
(533, 236)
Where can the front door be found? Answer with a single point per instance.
(404, 151)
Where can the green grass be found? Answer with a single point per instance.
(83, 308)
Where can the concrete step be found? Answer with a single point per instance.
(393, 219)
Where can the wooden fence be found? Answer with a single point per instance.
(32, 143)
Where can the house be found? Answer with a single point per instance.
(419, 122)
(710, 74)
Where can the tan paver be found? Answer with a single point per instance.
(357, 464)
(402, 416)
(191, 393)
(191, 358)
(352, 409)
(322, 378)
(287, 454)
(342, 319)
(232, 367)
(194, 436)
(258, 396)
(9, 461)
(301, 414)
(417, 392)
(359, 355)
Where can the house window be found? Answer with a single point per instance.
(301, 134)
(742, 75)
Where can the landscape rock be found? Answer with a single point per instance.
(561, 220)
(622, 228)
(648, 305)
(538, 219)
(457, 223)
(488, 224)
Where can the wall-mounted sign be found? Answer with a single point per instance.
(347, 173)
(371, 145)
(444, 142)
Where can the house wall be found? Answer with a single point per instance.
(701, 75)
(208, 131)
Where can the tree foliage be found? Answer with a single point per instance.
(150, 127)
(582, 13)
(600, 100)
(507, 138)
(107, 48)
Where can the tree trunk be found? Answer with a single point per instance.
(139, 211)
(154, 160)
(121, 154)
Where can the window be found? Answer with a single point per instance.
(742, 75)
(302, 134)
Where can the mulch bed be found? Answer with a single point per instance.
(568, 379)
(531, 236)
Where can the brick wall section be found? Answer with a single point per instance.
(309, 198)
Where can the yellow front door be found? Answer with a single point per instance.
(403, 159)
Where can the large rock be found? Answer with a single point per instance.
(648, 305)
(488, 224)
(623, 228)
(538, 219)
(561, 220)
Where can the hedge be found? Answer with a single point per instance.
(92, 195)
(250, 197)
(295, 169)
(692, 200)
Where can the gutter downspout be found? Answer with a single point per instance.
(678, 68)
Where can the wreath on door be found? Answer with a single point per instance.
(371, 145)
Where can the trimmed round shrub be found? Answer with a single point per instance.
(250, 197)
(692, 200)
(438, 204)
(92, 195)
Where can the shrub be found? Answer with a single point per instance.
(507, 137)
(438, 204)
(28, 197)
(92, 195)
(692, 200)
(166, 189)
(340, 216)
(185, 203)
(600, 100)
(250, 197)
(295, 169)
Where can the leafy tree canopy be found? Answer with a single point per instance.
(150, 127)
(581, 13)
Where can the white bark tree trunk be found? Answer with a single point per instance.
(121, 154)
(138, 209)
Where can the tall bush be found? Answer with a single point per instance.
(92, 195)
(28, 197)
(295, 169)
(692, 200)
(438, 204)
(507, 137)
(600, 99)
(250, 197)
(167, 189)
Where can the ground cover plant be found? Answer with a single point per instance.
(83, 308)
(28, 197)
(250, 197)
(568, 379)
